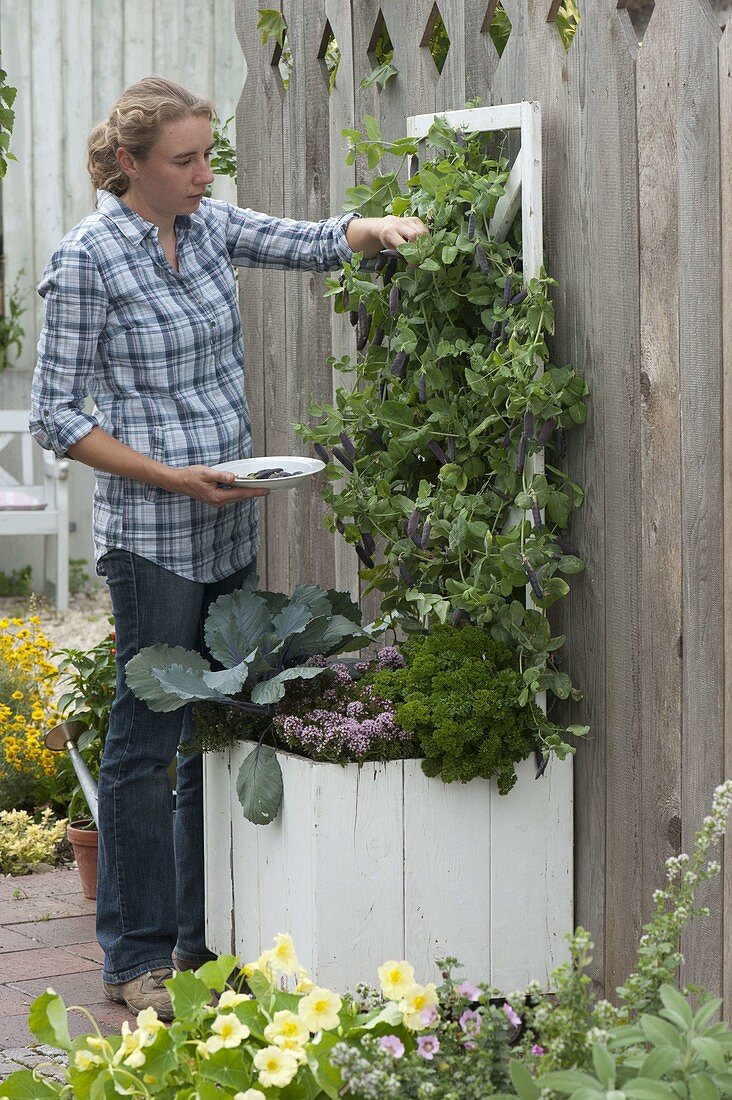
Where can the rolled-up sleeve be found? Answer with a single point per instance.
(75, 315)
(260, 240)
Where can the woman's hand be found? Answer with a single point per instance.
(370, 235)
(204, 484)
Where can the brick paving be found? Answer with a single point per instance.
(47, 939)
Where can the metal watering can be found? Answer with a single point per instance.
(65, 736)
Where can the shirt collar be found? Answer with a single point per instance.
(134, 227)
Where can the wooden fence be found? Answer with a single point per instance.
(638, 217)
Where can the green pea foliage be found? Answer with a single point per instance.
(452, 423)
(459, 694)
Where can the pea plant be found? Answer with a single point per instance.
(430, 471)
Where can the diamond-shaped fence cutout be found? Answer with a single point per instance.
(380, 52)
(565, 16)
(283, 61)
(639, 13)
(497, 25)
(436, 38)
(329, 56)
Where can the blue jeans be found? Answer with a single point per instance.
(150, 878)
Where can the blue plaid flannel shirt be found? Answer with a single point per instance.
(161, 354)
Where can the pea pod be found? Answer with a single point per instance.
(399, 365)
(413, 164)
(482, 259)
(413, 525)
(363, 326)
(519, 298)
(381, 261)
(366, 558)
(422, 388)
(535, 511)
(471, 225)
(533, 580)
(321, 452)
(425, 540)
(529, 424)
(340, 526)
(343, 459)
(378, 338)
(406, 575)
(507, 291)
(368, 541)
(541, 762)
(348, 446)
(353, 317)
(438, 452)
(545, 432)
(345, 298)
(377, 438)
(394, 300)
(460, 138)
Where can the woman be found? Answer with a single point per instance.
(142, 315)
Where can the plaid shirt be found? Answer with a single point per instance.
(160, 353)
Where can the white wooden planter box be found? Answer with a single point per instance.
(375, 862)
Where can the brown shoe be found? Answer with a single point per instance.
(146, 991)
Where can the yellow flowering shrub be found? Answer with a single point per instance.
(24, 841)
(28, 770)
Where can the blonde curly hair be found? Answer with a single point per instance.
(134, 124)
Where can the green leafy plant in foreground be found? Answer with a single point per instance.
(261, 640)
(7, 120)
(442, 435)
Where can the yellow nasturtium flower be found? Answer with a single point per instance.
(396, 978)
(319, 1009)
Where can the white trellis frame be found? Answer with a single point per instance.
(376, 861)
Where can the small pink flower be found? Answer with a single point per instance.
(471, 1022)
(467, 989)
(428, 1046)
(513, 1017)
(536, 1049)
(393, 1044)
(428, 1015)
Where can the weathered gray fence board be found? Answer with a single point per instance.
(661, 619)
(725, 150)
(701, 433)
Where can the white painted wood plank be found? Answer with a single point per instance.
(137, 43)
(78, 114)
(47, 122)
(358, 882)
(244, 871)
(229, 74)
(196, 46)
(18, 204)
(531, 876)
(217, 783)
(447, 881)
(531, 200)
(108, 31)
(166, 38)
(508, 204)
(505, 116)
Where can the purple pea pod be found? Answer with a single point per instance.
(345, 297)
(536, 512)
(422, 389)
(460, 138)
(495, 334)
(425, 540)
(533, 580)
(506, 441)
(363, 326)
(340, 526)
(502, 333)
(438, 452)
(565, 546)
(501, 495)
(399, 366)
(381, 261)
(471, 225)
(368, 542)
(413, 165)
(413, 525)
(520, 457)
(321, 452)
(394, 300)
(406, 575)
(376, 437)
(519, 298)
(482, 259)
(353, 317)
(541, 762)
(343, 459)
(458, 616)
(529, 424)
(367, 560)
(451, 448)
(545, 432)
(507, 291)
(378, 339)
(348, 447)
(390, 270)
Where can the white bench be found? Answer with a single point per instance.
(28, 509)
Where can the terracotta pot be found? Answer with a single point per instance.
(85, 842)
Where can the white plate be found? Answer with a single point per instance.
(301, 468)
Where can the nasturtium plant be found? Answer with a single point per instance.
(451, 398)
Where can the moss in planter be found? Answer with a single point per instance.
(458, 694)
(216, 727)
